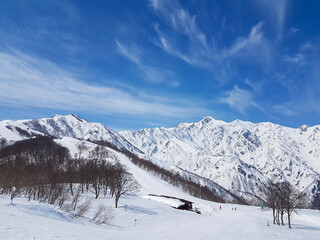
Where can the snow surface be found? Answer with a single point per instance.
(143, 217)
(32, 220)
(14, 131)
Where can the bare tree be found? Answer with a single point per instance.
(270, 196)
(283, 198)
(281, 205)
(81, 148)
(63, 197)
(124, 183)
(71, 169)
(293, 199)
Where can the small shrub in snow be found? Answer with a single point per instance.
(64, 197)
(75, 200)
(103, 215)
(83, 208)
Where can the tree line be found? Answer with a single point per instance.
(43, 170)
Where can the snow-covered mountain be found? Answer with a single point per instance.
(239, 156)
(234, 158)
(11, 132)
(75, 127)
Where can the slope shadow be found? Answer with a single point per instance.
(305, 227)
(43, 211)
(138, 209)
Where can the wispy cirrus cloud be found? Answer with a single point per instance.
(239, 99)
(257, 86)
(296, 58)
(150, 73)
(180, 20)
(201, 50)
(254, 43)
(293, 30)
(183, 23)
(285, 109)
(132, 53)
(32, 81)
(275, 12)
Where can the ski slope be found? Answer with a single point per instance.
(154, 220)
(140, 216)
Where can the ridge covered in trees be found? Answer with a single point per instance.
(43, 170)
(174, 179)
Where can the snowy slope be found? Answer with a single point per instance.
(239, 156)
(154, 220)
(72, 126)
(11, 131)
(149, 183)
(143, 217)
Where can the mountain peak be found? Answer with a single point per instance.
(207, 119)
(303, 128)
(69, 117)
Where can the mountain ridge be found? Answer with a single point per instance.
(239, 156)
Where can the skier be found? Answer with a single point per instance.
(13, 191)
(220, 208)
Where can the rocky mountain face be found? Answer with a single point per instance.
(239, 156)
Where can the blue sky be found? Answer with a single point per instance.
(141, 64)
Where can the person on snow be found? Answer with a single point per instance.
(13, 193)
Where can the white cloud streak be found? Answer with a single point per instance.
(150, 73)
(180, 20)
(35, 82)
(297, 58)
(239, 99)
(253, 43)
(199, 52)
(275, 11)
(257, 86)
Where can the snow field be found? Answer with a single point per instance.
(154, 220)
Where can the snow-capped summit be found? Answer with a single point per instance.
(303, 128)
(60, 126)
(240, 156)
(11, 131)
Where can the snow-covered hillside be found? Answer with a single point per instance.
(11, 132)
(140, 218)
(238, 155)
(65, 126)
